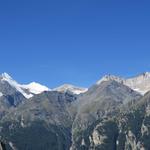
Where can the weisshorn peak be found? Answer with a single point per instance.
(27, 90)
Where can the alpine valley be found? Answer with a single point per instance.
(113, 114)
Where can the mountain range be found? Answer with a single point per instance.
(112, 114)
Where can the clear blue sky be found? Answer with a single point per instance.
(75, 41)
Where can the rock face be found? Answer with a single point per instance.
(140, 83)
(100, 103)
(110, 115)
(129, 129)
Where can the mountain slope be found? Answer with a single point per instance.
(129, 129)
(98, 102)
(44, 121)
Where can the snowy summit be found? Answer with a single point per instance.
(27, 90)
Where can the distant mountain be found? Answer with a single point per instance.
(26, 90)
(34, 88)
(140, 83)
(12, 93)
(9, 95)
(70, 88)
(113, 114)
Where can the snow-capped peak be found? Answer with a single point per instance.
(14, 84)
(110, 78)
(71, 88)
(27, 90)
(36, 88)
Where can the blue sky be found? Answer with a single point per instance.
(75, 41)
